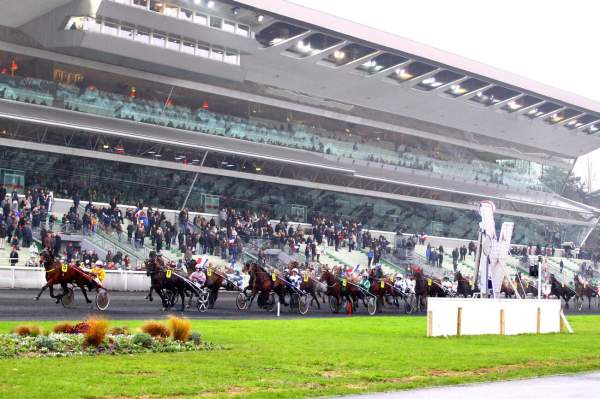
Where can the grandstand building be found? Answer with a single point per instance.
(264, 104)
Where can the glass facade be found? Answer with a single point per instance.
(100, 180)
(97, 92)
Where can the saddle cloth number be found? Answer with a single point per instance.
(306, 278)
(527, 284)
(344, 282)
(429, 282)
(64, 268)
(382, 284)
(274, 277)
(169, 273)
(209, 273)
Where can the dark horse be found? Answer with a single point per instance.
(164, 280)
(311, 287)
(262, 283)
(57, 273)
(426, 287)
(583, 289)
(341, 288)
(560, 290)
(464, 287)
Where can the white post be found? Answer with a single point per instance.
(539, 281)
(126, 276)
(13, 278)
(278, 308)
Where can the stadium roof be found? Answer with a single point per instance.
(307, 57)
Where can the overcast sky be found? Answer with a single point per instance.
(553, 42)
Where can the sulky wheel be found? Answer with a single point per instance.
(372, 305)
(241, 301)
(303, 304)
(102, 299)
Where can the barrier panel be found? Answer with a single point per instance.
(34, 277)
(476, 316)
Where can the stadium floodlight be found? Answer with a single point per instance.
(458, 89)
(513, 105)
(339, 55)
(210, 4)
(404, 74)
(260, 18)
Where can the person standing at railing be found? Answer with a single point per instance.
(14, 256)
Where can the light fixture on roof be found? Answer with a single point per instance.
(157, 155)
(573, 122)
(532, 111)
(304, 47)
(593, 129)
(235, 10)
(151, 152)
(339, 55)
(513, 105)
(458, 89)
(556, 118)
(197, 2)
(105, 146)
(432, 82)
(404, 74)
(258, 169)
(210, 4)
(260, 18)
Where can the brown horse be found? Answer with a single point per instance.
(336, 289)
(560, 290)
(426, 287)
(57, 273)
(382, 288)
(311, 287)
(214, 281)
(583, 289)
(262, 283)
(507, 288)
(464, 287)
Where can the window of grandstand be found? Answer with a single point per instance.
(381, 63)
(278, 33)
(411, 71)
(542, 109)
(494, 95)
(172, 10)
(155, 38)
(581, 121)
(347, 54)
(562, 116)
(466, 87)
(525, 101)
(438, 80)
(593, 129)
(313, 44)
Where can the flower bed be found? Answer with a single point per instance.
(81, 339)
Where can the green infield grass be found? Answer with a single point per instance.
(303, 358)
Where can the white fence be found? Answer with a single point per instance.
(34, 277)
(455, 316)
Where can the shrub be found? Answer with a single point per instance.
(24, 331)
(81, 328)
(119, 331)
(96, 332)
(64, 328)
(180, 328)
(155, 329)
(43, 342)
(196, 338)
(142, 339)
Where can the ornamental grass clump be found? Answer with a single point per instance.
(180, 328)
(155, 329)
(119, 331)
(95, 334)
(28, 331)
(63, 328)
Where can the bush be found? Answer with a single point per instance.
(196, 338)
(81, 328)
(96, 332)
(119, 331)
(142, 339)
(155, 329)
(63, 328)
(24, 331)
(43, 342)
(180, 328)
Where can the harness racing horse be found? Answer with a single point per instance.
(583, 289)
(338, 289)
(163, 280)
(507, 288)
(425, 288)
(57, 273)
(312, 287)
(560, 290)
(382, 289)
(463, 286)
(262, 284)
(214, 281)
